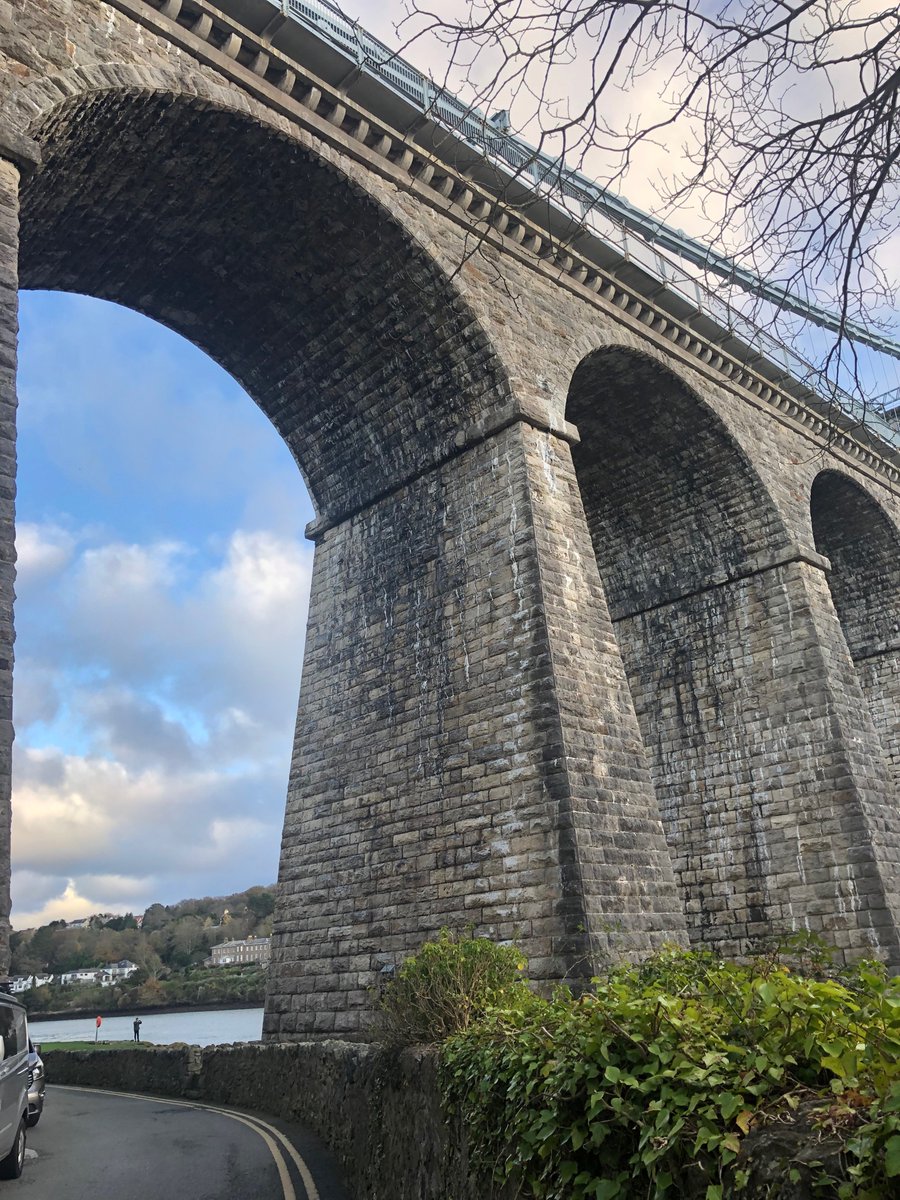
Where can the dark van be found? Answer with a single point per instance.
(14, 1078)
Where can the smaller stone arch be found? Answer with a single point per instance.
(863, 546)
(679, 521)
(654, 459)
(721, 624)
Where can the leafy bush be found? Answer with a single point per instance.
(447, 985)
(648, 1086)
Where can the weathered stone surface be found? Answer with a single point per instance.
(591, 698)
(738, 670)
(863, 547)
(9, 324)
(449, 747)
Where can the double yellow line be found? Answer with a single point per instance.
(273, 1138)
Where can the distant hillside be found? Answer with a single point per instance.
(171, 937)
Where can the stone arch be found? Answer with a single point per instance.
(863, 547)
(725, 642)
(679, 521)
(704, 487)
(352, 340)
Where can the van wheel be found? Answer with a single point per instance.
(11, 1166)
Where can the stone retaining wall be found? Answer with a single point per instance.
(380, 1113)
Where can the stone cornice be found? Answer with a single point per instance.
(512, 413)
(774, 560)
(247, 58)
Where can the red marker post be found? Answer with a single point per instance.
(97, 1030)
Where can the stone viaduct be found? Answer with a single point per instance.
(604, 637)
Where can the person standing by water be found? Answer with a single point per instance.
(137, 1028)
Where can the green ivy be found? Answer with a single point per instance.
(648, 1085)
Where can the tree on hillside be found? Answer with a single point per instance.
(156, 916)
(187, 941)
(786, 116)
(260, 902)
(48, 946)
(120, 923)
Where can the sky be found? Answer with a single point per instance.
(162, 587)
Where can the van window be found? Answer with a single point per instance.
(12, 1030)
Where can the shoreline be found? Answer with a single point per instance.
(82, 1014)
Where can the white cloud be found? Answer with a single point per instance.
(261, 579)
(214, 637)
(229, 838)
(41, 551)
(67, 905)
(91, 831)
(45, 898)
(115, 573)
(60, 809)
(162, 682)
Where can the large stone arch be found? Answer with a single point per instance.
(668, 464)
(863, 547)
(348, 336)
(266, 255)
(714, 614)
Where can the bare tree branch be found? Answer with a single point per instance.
(777, 121)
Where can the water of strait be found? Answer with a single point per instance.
(210, 1027)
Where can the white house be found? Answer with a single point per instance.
(106, 975)
(24, 983)
(85, 975)
(115, 972)
(119, 970)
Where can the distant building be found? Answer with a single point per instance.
(84, 975)
(116, 972)
(105, 976)
(225, 920)
(252, 950)
(94, 920)
(24, 983)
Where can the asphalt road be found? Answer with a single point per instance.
(93, 1145)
